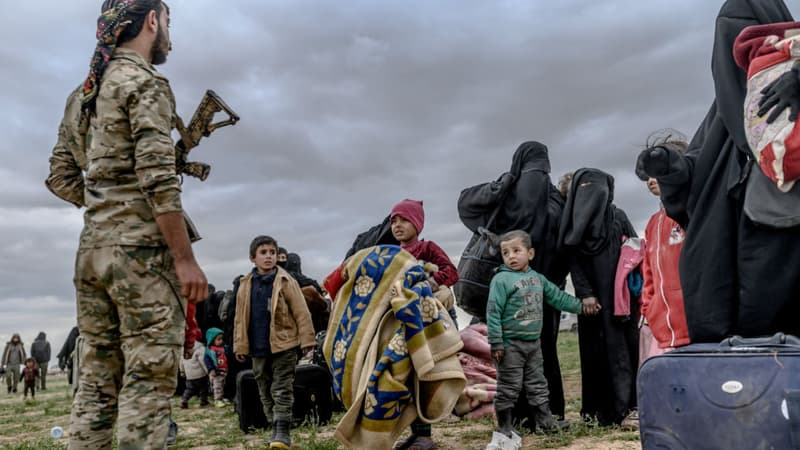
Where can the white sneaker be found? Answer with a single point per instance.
(514, 443)
(498, 441)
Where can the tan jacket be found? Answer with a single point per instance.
(290, 322)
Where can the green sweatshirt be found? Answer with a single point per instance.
(514, 310)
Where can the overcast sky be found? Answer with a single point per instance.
(347, 108)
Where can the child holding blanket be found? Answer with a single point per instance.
(407, 219)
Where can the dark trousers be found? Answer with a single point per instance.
(521, 366)
(30, 386)
(42, 382)
(275, 378)
(196, 388)
(551, 319)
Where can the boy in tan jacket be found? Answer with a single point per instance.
(271, 322)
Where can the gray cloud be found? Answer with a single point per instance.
(346, 109)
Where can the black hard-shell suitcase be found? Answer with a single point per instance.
(740, 394)
(247, 402)
(313, 398)
(313, 394)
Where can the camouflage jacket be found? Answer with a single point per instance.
(69, 154)
(130, 175)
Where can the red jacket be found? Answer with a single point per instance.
(662, 297)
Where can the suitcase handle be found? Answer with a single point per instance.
(776, 339)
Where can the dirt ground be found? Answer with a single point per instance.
(26, 424)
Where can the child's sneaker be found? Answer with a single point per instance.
(219, 404)
(184, 405)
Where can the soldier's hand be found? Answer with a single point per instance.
(194, 285)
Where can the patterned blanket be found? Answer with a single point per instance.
(391, 348)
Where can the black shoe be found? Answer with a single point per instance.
(544, 419)
(505, 422)
(172, 434)
(280, 433)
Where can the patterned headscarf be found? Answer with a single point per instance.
(110, 25)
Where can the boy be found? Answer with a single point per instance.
(514, 318)
(216, 364)
(271, 322)
(407, 220)
(30, 373)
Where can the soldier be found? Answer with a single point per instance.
(134, 265)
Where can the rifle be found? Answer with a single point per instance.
(199, 127)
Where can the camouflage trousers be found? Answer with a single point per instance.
(132, 318)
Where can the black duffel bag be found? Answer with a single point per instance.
(475, 271)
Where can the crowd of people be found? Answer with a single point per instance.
(391, 340)
(16, 366)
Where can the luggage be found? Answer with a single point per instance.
(740, 394)
(313, 394)
(475, 271)
(313, 398)
(247, 402)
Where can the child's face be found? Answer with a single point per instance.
(266, 258)
(515, 255)
(403, 230)
(218, 341)
(28, 364)
(652, 184)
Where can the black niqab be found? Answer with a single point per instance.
(588, 217)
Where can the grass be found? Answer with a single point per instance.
(26, 425)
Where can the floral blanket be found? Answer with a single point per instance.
(391, 348)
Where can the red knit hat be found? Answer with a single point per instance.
(412, 211)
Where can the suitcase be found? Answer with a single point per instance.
(313, 394)
(313, 398)
(739, 394)
(247, 403)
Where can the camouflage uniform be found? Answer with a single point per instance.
(130, 312)
(69, 154)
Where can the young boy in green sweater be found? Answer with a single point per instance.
(514, 318)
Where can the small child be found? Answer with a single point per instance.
(217, 364)
(407, 220)
(30, 373)
(271, 322)
(514, 319)
(196, 373)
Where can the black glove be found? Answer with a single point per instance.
(782, 93)
(652, 162)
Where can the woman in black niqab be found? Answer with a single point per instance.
(750, 284)
(528, 201)
(592, 232)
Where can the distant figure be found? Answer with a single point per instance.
(196, 373)
(29, 374)
(40, 351)
(13, 357)
(216, 364)
(65, 354)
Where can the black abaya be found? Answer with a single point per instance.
(592, 230)
(738, 277)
